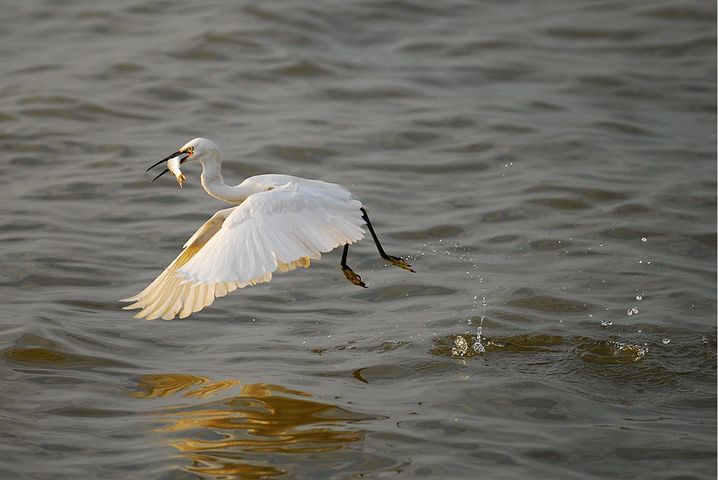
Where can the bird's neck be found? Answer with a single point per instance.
(214, 185)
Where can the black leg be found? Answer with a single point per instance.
(396, 261)
(348, 272)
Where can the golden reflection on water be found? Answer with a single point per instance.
(164, 385)
(247, 435)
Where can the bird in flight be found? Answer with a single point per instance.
(277, 223)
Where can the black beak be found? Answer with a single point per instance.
(158, 176)
(168, 157)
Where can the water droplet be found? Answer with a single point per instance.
(590, 315)
(639, 297)
(478, 346)
(632, 311)
(666, 341)
(644, 239)
(606, 323)
(640, 331)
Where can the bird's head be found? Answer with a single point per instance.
(196, 149)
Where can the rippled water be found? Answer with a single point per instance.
(550, 167)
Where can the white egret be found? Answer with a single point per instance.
(279, 223)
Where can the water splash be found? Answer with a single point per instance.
(478, 345)
(477, 290)
(460, 348)
(607, 352)
(590, 350)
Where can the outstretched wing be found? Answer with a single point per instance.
(169, 294)
(279, 229)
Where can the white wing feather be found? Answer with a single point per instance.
(278, 229)
(281, 225)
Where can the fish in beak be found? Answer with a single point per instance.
(173, 165)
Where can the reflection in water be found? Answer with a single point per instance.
(169, 384)
(247, 435)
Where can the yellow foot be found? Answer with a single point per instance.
(353, 277)
(399, 262)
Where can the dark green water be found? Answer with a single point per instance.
(550, 167)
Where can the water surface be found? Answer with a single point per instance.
(548, 166)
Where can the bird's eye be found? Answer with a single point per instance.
(190, 150)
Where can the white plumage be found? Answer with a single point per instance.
(281, 223)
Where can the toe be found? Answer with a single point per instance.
(353, 277)
(400, 262)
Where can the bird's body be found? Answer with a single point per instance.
(278, 223)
